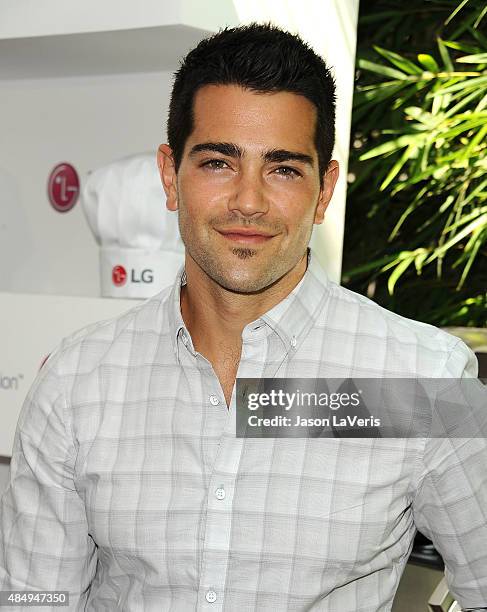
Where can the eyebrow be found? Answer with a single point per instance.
(232, 150)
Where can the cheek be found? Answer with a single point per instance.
(294, 194)
(194, 218)
(201, 197)
(296, 211)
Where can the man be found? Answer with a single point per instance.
(129, 487)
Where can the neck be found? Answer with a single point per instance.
(216, 316)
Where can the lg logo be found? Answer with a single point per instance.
(119, 276)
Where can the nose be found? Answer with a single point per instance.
(249, 197)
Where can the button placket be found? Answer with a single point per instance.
(216, 536)
(218, 526)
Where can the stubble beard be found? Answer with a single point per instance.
(216, 266)
(219, 270)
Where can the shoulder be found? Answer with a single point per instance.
(411, 346)
(111, 339)
(88, 358)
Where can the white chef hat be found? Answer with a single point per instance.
(141, 250)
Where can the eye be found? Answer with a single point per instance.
(288, 172)
(215, 164)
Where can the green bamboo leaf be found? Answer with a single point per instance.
(383, 70)
(424, 159)
(458, 9)
(371, 265)
(476, 140)
(418, 200)
(464, 85)
(472, 242)
(392, 264)
(377, 93)
(441, 86)
(428, 62)
(447, 203)
(415, 112)
(458, 46)
(472, 256)
(464, 127)
(420, 259)
(417, 178)
(399, 61)
(438, 252)
(439, 102)
(467, 116)
(474, 193)
(445, 56)
(396, 259)
(480, 17)
(478, 58)
(482, 104)
(391, 146)
(474, 214)
(377, 87)
(463, 102)
(397, 273)
(397, 167)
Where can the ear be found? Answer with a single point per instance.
(167, 170)
(329, 181)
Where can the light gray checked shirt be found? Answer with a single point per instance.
(130, 490)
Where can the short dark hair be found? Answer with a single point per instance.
(261, 58)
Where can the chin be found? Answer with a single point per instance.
(242, 272)
(240, 281)
(241, 285)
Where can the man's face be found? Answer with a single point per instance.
(248, 187)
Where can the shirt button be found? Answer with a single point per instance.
(214, 401)
(210, 596)
(294, 341)
(220, 493)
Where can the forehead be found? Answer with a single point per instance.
(254, 120)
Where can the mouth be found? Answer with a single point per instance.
(245, 235)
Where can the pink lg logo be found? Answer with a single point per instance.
(119, 276)
(63, 187)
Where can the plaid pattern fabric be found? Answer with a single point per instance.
(130, 490)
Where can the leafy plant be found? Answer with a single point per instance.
(416, 224)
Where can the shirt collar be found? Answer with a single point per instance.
(175, 319)
(291, 319)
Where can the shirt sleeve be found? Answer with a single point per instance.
(44, 539)
(450, 506)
